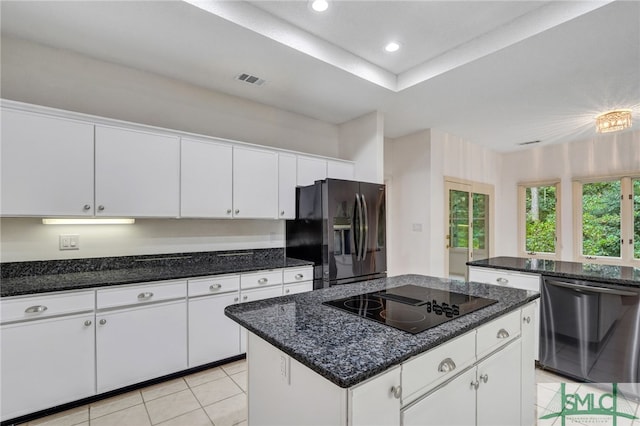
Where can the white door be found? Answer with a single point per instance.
(376, 402)
(255, 183)
(212, 335)
(452, 405)
(311, 169)
(498, 396)
(287, 186)
(137, 174)
(47, 166)
(137, 344)
(206, 175)
(46, 363)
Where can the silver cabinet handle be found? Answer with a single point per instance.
(396, 391)
(286, 291)
(502, 280)
(475, 384)
(235, 299)
(100, 208)
(263, 281)
(526, 319)
(237, 211)
(35, 309)
(214, 287)
(102, 321)
(87, 323)
(282, 213)
(145, 296)
(86, 207)
(446, 365)
(299, 276)
(228, 211)
(502, 334)
(245, 297)
(484, 378)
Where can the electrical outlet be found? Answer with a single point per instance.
(69, 242)
(285, 366)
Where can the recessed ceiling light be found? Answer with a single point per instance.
(319, 5)
(392, 47)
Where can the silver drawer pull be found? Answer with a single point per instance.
(502, 280)
(526, 319)
(35, 309)
(245, 297)
(145, 296)
(299, 276)
(214, 287)
(396, 391)
(502, 334)
(102, 321)
(286, 291)
(475, 384)
(446, 365)
(484, 378)
(263, 281)
(87, 323)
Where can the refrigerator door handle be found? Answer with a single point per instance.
(366, 227)
(358, 216)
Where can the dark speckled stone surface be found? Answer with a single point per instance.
(611, 274)
(20, 278)
(347, 349)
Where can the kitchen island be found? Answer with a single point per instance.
(310, 363)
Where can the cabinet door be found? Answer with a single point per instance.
(498, 395)
(453, 404)
(340, 170)
(47, 166)
(376, 402)
(46, 363)
(137, 344)
(250, 296)
(212, 335)
(528, 367)
(287, 186)
(137, 174)
(311, 169)
(206, 174)
(255, 183)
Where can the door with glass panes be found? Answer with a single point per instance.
(468, 212)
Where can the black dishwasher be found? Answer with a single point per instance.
(590, 331)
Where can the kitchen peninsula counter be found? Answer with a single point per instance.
(611, 274)
(347, 349)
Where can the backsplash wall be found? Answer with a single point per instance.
(24, 239)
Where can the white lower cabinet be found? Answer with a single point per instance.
(46, 363)
(367, 395)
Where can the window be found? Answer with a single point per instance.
(539, 219)
(608, 220)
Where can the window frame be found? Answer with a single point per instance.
(522, 220)
(626, 221)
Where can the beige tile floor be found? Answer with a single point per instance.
(218, 397)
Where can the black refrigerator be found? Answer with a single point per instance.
(340, 227)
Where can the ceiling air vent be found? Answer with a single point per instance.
(251, 79)
(528, 143)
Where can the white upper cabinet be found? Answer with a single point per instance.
(206, 179)
(255, 183)
(287, 177)
(137, 173)
(47, 166)
(340, 170)
(311, 169)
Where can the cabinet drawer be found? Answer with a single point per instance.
(138, 294)
(35, 307)
(298, 274)
(298, 288)
(505, 278)
(213, 285)
(496, 333)
(261, 279)
(260, 293)
(434, 367)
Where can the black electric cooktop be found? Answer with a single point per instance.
(411, 308)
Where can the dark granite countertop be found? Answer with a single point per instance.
(611, 274)
(347, 349)
(22, 278)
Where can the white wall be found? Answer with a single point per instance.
(362, 141)
(602, 155)
(28, 239)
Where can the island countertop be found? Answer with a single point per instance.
(611, 274)
(347, 349)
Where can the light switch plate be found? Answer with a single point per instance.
(69, 242)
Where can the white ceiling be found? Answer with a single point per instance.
(496, 73)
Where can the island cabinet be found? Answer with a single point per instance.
(482, 377)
